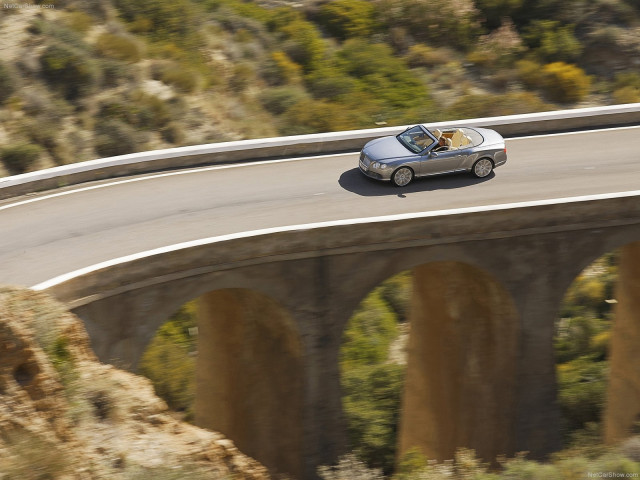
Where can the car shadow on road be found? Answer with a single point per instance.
(354, 181)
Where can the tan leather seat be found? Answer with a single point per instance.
(456, 139)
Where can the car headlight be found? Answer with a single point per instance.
(379, 166)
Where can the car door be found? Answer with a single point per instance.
(441, 162)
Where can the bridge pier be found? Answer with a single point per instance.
(461, 374)
(268, 373)
(622, 410)
(249, 376)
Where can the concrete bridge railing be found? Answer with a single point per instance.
(315, 144)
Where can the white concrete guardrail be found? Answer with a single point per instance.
(321, 143)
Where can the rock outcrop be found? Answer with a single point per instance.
(65, 415)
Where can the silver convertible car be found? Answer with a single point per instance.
(420, 152)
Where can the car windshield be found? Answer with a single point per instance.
(415, 139)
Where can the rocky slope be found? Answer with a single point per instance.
(65, 415)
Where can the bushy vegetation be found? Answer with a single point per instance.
(465, 465)
(565, 83)
(20, 158)
(169, 361)
(69, 70)
(119, 47)
(348, 18)
(581, 345)
(7, 82)
(114, 137)
(372, 384)
(292, 69)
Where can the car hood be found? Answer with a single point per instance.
(385, 148)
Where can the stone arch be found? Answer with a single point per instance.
(250, 376)
(622, 406)
(461, 382)
(460, 388)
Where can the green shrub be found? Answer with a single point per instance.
(113, 137)
(626, 95)
(587, 294)
(330, 83)
(172, 372)
(78, 21)
(382, 75)
(348, 18)
(627, 88)
(165, 19)
(396, 292)
(372, 396)
(7, 82)
(435, 22)
(279, 69)
(494, 11)
(183, 79)
(69, 70)
(118, 47)
(20, 158)
(169, 363)
(140, 110)
(565, 83)
(499, 49)
(371, 330)
(627, 79)
(530, 73)
(421, 55)
(277, 100)
(243, 76)
(552, 42)
(60, 33)
(303, 43)
(173, 133)
(582, 385)
(115, 72)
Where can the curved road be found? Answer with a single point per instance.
(56, 232)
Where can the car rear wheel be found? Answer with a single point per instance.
(402, 176)
(482, 168)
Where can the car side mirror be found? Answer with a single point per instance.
(433, 154)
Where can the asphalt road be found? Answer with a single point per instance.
(58, 234)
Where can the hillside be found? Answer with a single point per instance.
(65, 415)
(82, 80)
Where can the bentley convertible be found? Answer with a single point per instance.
(420, 152)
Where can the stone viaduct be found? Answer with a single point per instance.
(488, 285)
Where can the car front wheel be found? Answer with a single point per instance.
(402, 176)
(482, 168)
